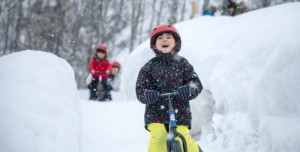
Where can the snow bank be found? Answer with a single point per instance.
(249, 66)
(39, 104)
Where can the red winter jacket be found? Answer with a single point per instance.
(101, 67)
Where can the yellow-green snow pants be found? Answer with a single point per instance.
(158, 139)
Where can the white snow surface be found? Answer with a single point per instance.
(39, 104)
(248, 64)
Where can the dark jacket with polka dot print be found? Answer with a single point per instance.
(165, 74)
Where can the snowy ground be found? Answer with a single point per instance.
(249, 66)
(112, 126)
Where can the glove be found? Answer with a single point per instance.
(151, 96)
(184, 92)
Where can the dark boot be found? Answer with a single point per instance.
(93, 95)
(106, 90)
(107, 96)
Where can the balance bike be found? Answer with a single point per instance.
(172, 144)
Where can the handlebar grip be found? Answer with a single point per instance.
(168, 94)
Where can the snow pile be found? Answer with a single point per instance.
(39, 104)
(113, 127)
(249, 66)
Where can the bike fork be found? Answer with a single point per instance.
(172, 144)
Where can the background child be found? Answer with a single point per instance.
(114, 76)
(167, 72)
(100, 68)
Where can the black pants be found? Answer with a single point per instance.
(96, 93)
(106, 88)
(93, 89)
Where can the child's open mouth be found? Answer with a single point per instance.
(165, 46)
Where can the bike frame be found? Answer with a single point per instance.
(172, 126)
(100, 88)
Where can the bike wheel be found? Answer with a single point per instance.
(177, 146)
(100, 92)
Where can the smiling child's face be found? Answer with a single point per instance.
(165, 43)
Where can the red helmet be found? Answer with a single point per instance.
(165, 28)
(102, 47)
(116, 64)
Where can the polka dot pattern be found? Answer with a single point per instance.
(165, 74)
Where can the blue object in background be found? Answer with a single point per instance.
(208, 13)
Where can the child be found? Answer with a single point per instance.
(167, 72)
(114, 79)
(100, 68)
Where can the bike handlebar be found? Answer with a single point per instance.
(168, 94)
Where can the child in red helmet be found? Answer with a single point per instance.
(100, 68)
(167, 72)
(114, 76)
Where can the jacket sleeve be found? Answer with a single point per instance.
(192, 79)
(109, 67)
(91, 66)
(143, 83)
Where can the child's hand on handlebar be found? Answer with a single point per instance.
(151, 96)
(184, 92)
